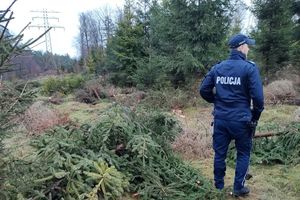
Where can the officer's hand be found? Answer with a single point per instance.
(252, 125)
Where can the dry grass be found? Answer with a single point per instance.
(296, 115)
(193, 145)
(17, 144)
(290, 73)
(39, 118)
(268, 182)
(57, 98)
(81, 112)
(195, 142)
(130, 99)
(280, 91)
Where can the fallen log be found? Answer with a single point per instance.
(262, 135)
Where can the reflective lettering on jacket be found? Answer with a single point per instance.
(225, 80)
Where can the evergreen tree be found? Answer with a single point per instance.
(296, 16)
(150, 72)
(13, 98)
(125, 48)
(273, 34)
(296, 32)
(190, 35)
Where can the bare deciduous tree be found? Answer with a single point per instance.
(96, 29)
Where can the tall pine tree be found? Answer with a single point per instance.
(168, 41)
(125, 47)
(273, 34)
(190, 35)
(296, 33)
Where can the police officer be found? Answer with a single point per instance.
(231, 85)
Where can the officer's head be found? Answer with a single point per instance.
(241, 43)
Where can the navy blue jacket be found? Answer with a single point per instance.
(231, 85)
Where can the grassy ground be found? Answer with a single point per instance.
(81, 112)
(269, 182)
(17, 143)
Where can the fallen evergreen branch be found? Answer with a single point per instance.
(121, 147)
(282, 149)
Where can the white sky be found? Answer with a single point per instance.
(63, 40)
(249, 20)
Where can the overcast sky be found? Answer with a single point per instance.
(63, 40)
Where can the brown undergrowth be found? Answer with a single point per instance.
(38, 118)
(195, 142)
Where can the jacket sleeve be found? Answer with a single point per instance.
(206, 87)
(256, 92)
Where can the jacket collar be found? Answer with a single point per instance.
(236, 55)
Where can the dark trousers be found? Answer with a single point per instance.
(224, 132)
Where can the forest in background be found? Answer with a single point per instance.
(154, 44)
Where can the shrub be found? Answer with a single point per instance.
(168, 98)
(72, 82)
(50, 85)
(280, 91)
(83, 96)
(38, 118)
(93, 91)
(64, 85)
(129, 97)
(13, 101)
(121, 79)
(291, 73)
(192, 144)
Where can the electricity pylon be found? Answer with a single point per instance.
(45, 16)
